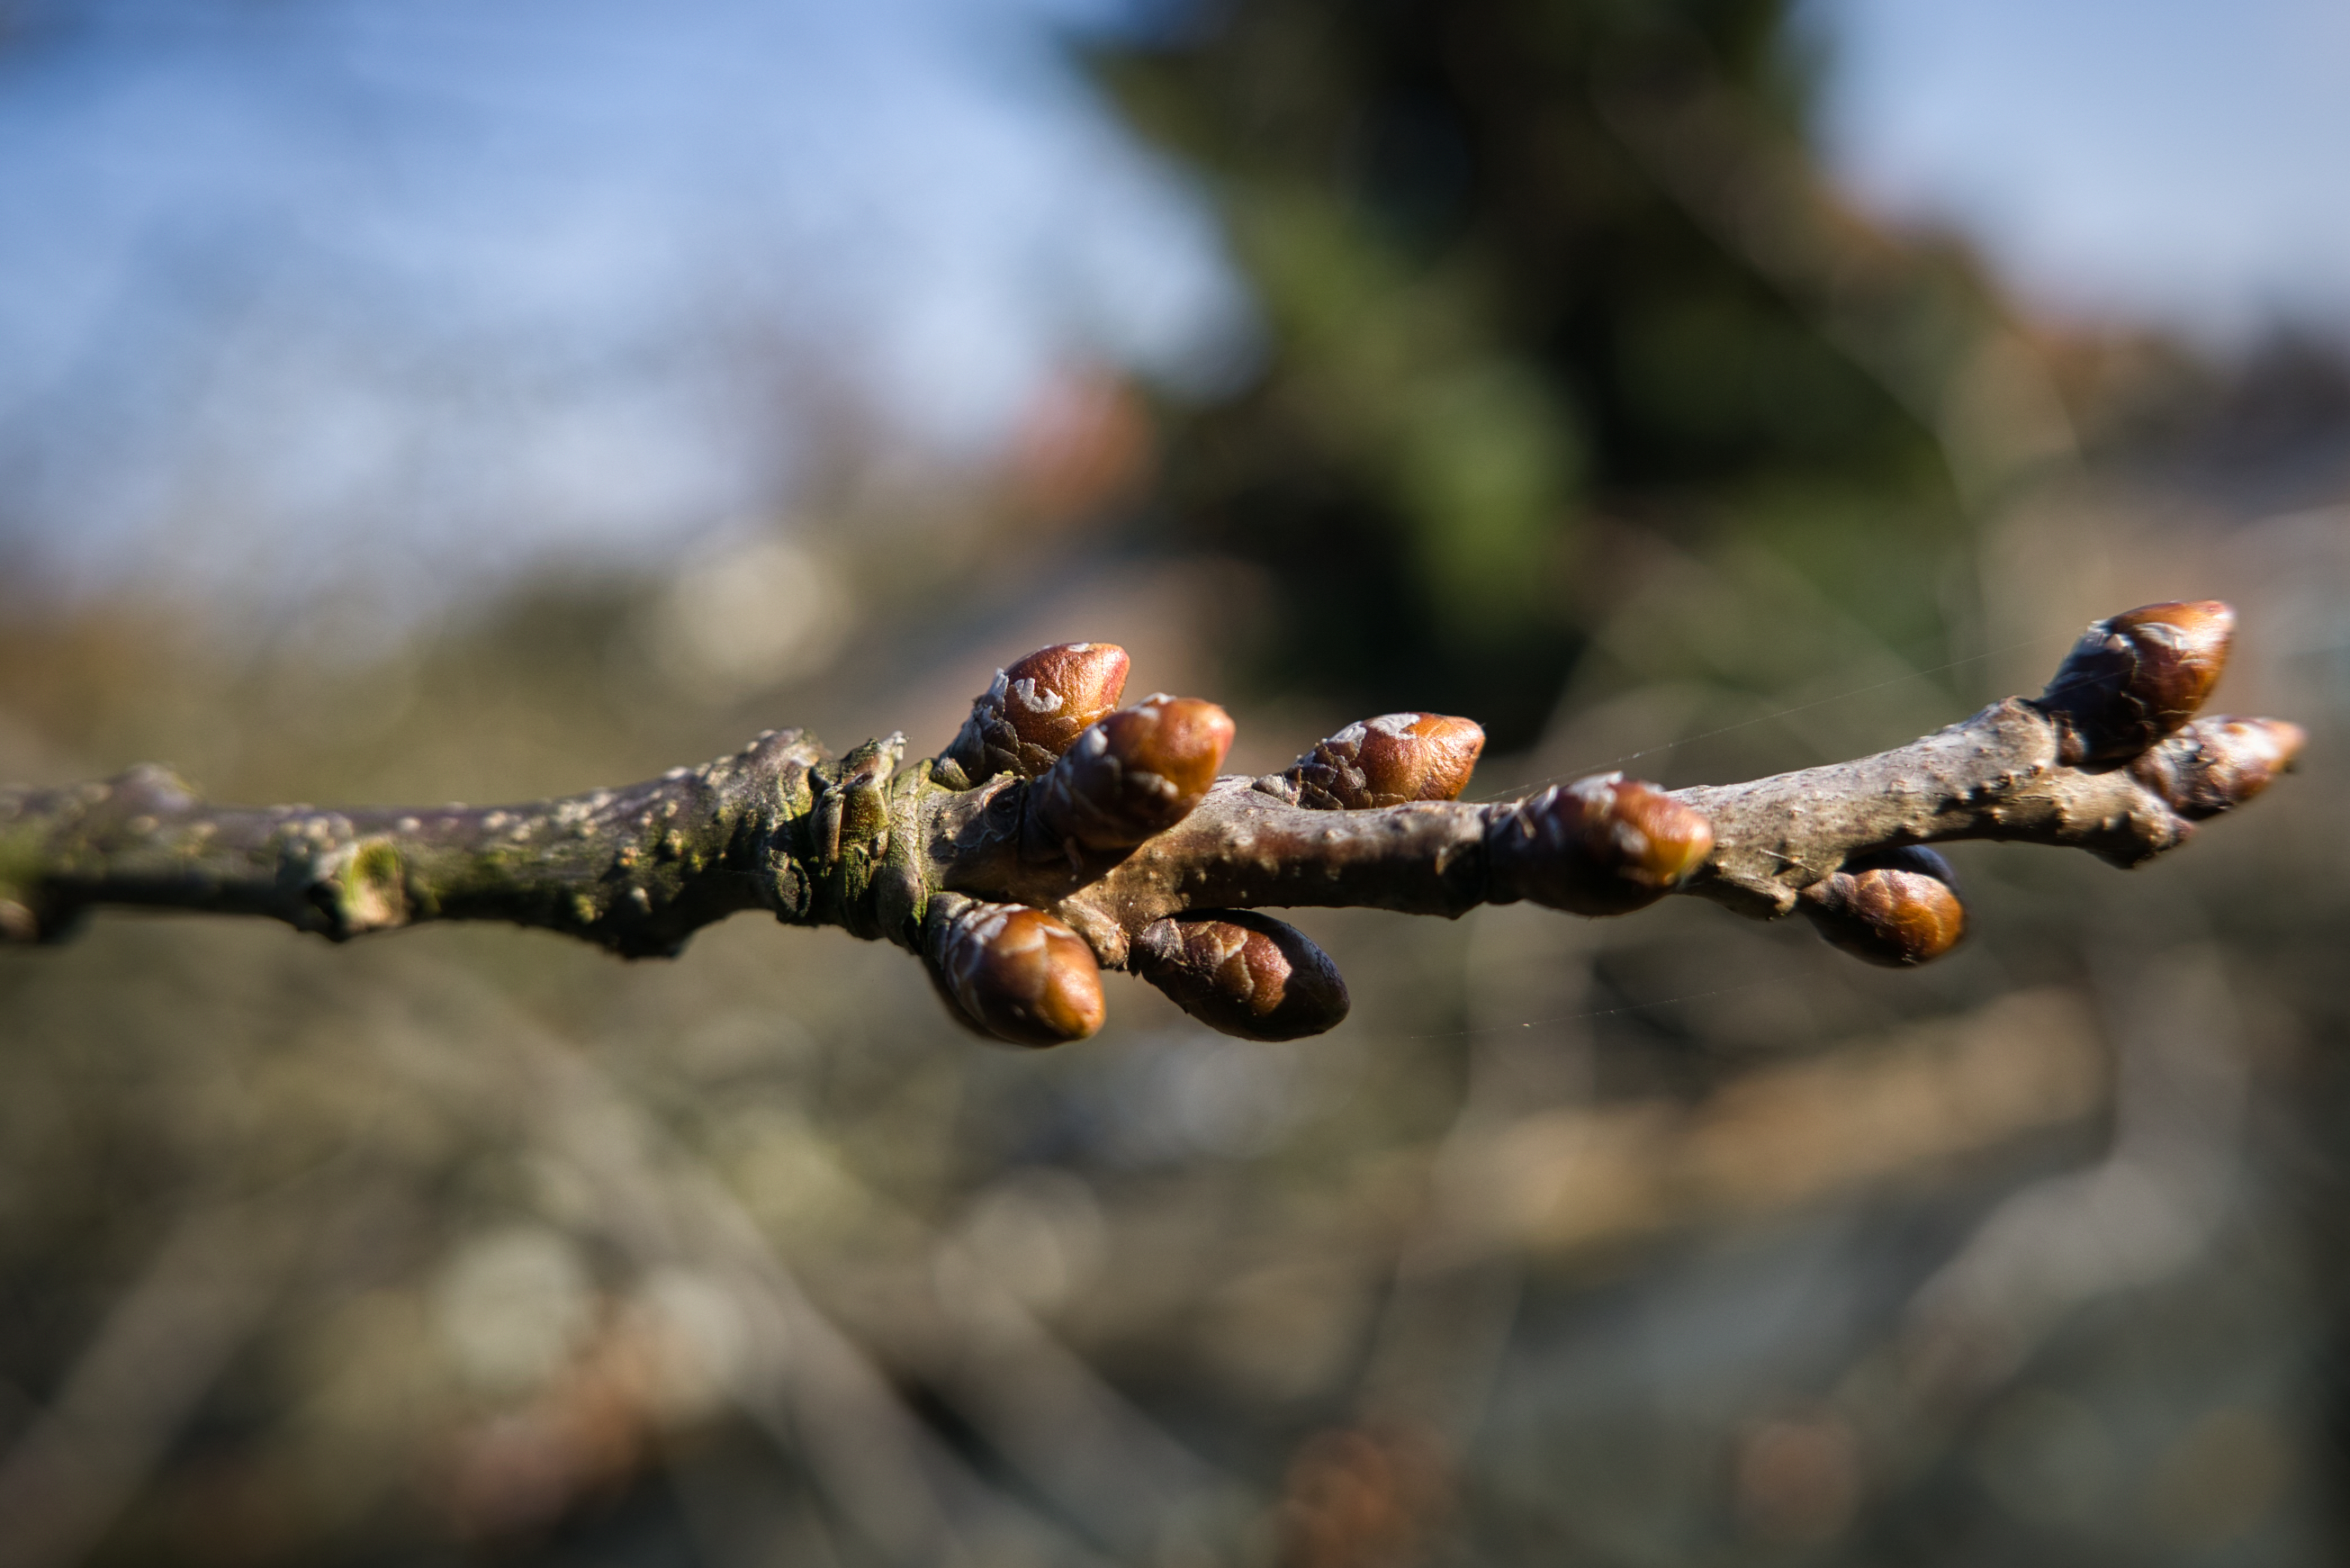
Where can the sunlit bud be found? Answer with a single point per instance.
(1897, 908)
(2136, 676)
(1138, 772)
(1603, 846)
(1015, 972)
(1388, 761)
(2217, 764)
(1037, 708)
(1242, 973)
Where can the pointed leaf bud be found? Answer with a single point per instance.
(1897, 908)
(1036, 709)
(2218, 764)
(1388, 761)
(1602, 845)
(1138, 772)
(1242, 973)
(2138, 676)
(1015, 972)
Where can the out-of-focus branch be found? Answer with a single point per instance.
(1059, 834)
(160, 1348)
(636, 869)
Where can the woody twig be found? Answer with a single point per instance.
(1059, 834)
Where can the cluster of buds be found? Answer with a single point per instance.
(1093, 783)
(1099, 780)
(2129, 694)
(1897, 908)
(1094, 790)
(2126, 694)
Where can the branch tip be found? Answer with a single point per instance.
(2218, 764)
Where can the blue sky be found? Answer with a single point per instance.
(438, 290)
(2180, 161)
(289, 288)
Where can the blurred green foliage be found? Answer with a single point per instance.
(1499, 334)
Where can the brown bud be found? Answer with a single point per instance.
(1015, 972)
(1602, 845)
(2136, 676)
(1036, 709)
(1138, 772)
(2218, 764)
(1242, 973)
(1897, 908)
(1388, 761)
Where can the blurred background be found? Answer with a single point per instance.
(406, 403)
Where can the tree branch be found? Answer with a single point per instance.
(1109, 825)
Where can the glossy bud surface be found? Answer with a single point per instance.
(1017, 973)
(1036, 709)
(1898, 908)
(1244, 973)
(2138, 676)
(1390, 761)
(1137, 773)
(1604, 845)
